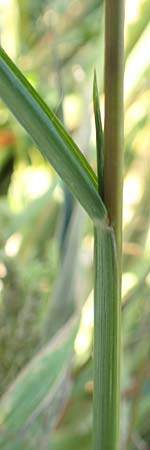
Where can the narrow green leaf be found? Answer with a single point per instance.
(40, 391)
(50, 136)
(99, 137)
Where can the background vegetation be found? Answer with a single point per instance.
(46, 255)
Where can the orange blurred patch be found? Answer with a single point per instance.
(7, 137)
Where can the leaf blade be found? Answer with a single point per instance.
(99, 137)
(38, 389)
(50, 136)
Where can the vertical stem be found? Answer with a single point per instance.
(113, 129)
(107, 253)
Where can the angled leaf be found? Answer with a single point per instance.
(50, 136)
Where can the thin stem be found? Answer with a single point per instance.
(113, 128)
(107, 253)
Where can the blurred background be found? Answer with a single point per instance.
(46, 251)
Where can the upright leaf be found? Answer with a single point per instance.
(99, 137)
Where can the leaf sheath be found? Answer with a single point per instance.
(106, 342)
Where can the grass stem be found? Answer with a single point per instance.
(113, 127)
(108, 243)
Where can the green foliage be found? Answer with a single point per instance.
(50, 136)
(30, 280)
(41, 389)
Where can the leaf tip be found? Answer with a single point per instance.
(95, 88)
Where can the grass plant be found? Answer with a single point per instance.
(100, 197)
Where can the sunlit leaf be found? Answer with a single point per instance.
(50, 136)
